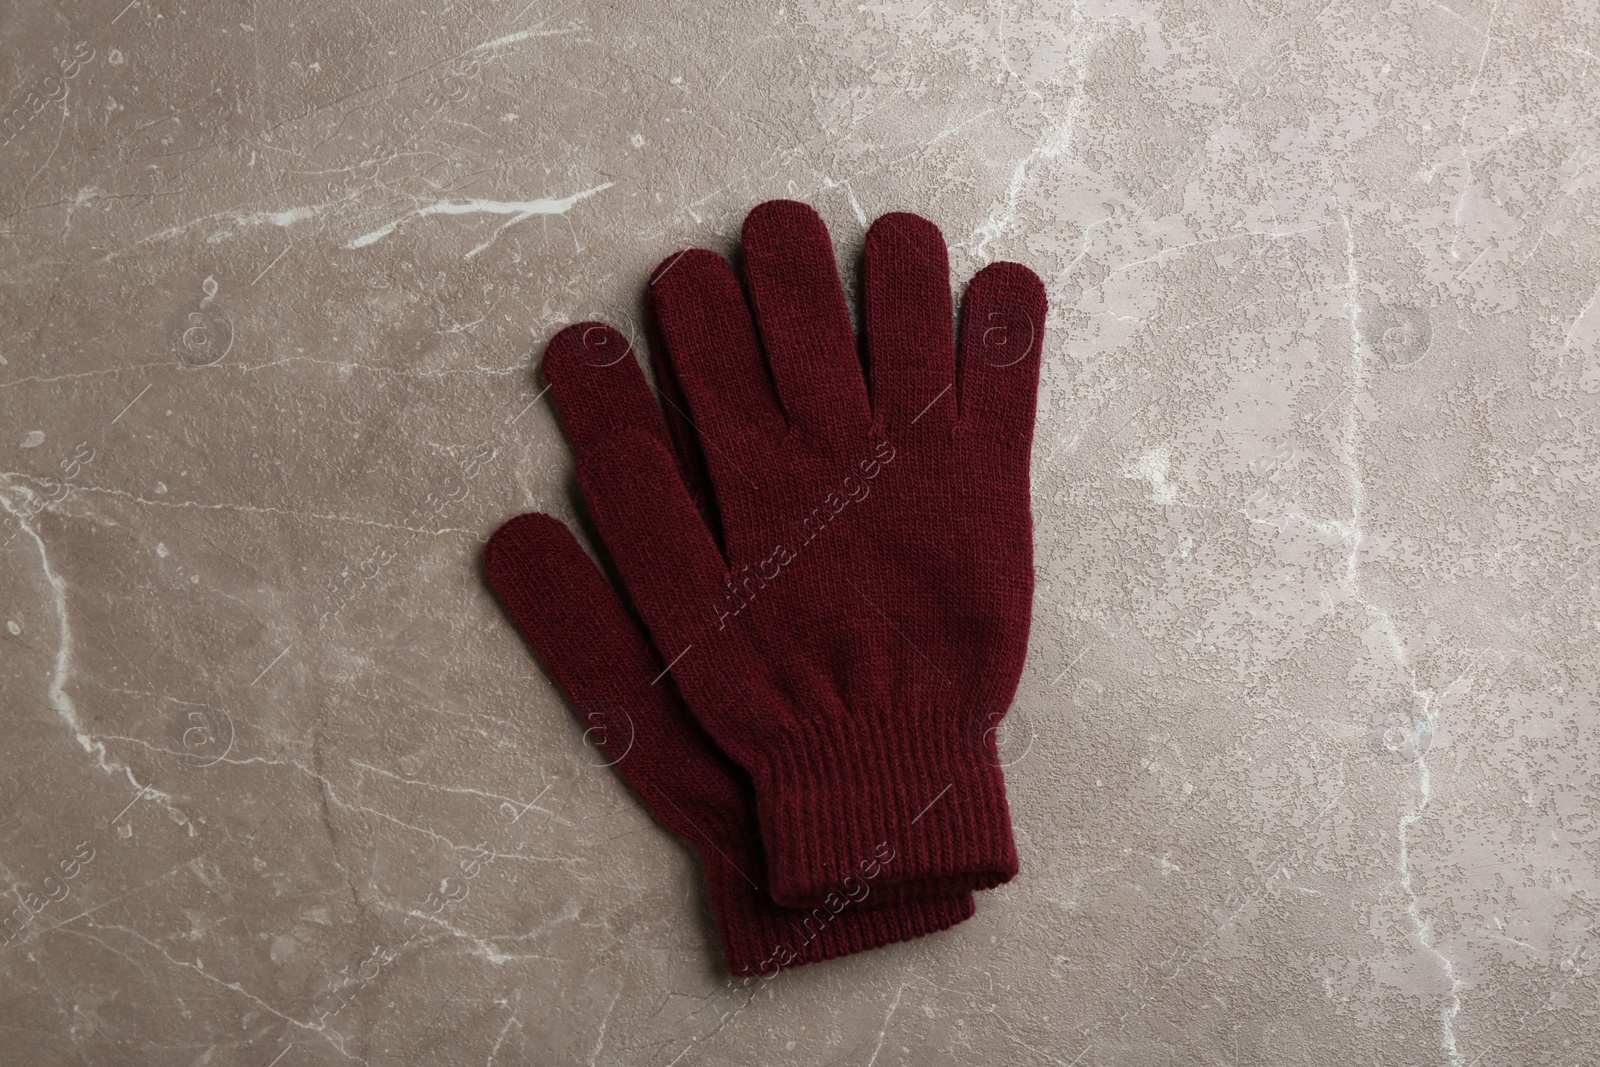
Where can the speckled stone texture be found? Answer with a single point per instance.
(1303, 763)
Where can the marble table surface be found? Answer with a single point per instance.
(1303, 762)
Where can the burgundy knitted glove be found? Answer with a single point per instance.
(578, 627)
(855, 628)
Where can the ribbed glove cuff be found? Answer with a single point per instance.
(917, 815)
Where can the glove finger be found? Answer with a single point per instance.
(715, 358)
(675, 407)
(1002, 334)
(805, 325)
(911, 341)
(594, 650)
(602, 394)
(598, 386)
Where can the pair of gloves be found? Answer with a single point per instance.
(828, 565)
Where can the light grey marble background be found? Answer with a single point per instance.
(1303, 765)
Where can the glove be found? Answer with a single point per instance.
(580, 629)
(854, 626)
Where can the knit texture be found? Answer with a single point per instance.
(582, 632)
(858, 618)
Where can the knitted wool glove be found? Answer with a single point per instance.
(579, 628)
(855, 625)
